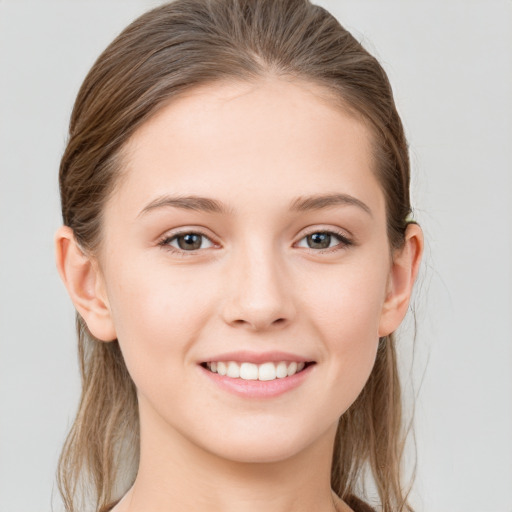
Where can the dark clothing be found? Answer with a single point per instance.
(357, 505)
(354, 503)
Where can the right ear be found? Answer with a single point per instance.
(84, 282)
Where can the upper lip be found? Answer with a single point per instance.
(243, 356)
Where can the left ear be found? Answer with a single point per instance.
(403, 272)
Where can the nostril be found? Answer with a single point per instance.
(259, 323)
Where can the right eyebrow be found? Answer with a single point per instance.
(197, 203)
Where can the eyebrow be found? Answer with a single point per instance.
(197, 203)
(300, 204)
(319, 202)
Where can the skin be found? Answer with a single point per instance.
(254, 284)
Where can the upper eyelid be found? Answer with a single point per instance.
(343, 233)
(186, 231)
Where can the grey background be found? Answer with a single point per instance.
(450, 63)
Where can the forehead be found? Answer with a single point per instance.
(254, 104)
(287, 135)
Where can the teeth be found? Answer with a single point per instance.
(267, 371)
(250, 371)
(292, 368)
(282, 370)
(233, 370)
(222, 369)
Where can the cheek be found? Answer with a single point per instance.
(349, 299)
(346, 315)
(156, 315)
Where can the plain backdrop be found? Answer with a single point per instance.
(450, 64)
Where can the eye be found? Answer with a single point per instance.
(187, 241)
(324, 240)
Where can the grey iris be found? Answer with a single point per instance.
(190, 241)
(319, 240)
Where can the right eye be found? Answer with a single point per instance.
(188, 241)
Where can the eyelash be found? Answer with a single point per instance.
(344, 242)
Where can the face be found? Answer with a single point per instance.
(247, 235)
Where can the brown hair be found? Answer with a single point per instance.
(171, 50)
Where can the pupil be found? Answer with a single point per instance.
(189, 241)
(319, 240)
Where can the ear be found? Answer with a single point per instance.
(404, 269)
(84, 282)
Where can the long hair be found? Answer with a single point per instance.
(168, 51)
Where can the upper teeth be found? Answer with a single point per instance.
(250, 371)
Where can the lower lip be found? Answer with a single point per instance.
(259, 388)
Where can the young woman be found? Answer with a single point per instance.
(235, 197)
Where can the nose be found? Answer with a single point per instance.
(259, 296)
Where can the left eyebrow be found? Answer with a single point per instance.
(319, 202)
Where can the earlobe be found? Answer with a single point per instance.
(84, 283)
(403, 273)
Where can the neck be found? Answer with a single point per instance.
(175, 474)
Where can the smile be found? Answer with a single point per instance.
(250, 371)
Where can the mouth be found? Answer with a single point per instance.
(267, 371)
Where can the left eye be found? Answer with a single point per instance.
(323, 240)
(188, 241)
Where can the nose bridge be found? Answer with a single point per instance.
(259, 296)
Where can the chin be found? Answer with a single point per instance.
(257, 453)
(264, 445)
